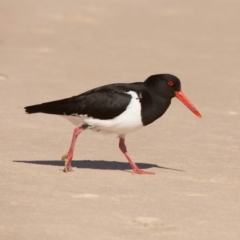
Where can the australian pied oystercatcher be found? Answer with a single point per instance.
(117, 108)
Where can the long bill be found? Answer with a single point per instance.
(179, 95)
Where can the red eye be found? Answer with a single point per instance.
(170, 83)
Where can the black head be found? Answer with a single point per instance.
(165, 85)
(168, 86)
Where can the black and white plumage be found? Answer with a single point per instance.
(117, 108)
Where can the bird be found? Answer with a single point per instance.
(118, 108)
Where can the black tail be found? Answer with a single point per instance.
(33, 109)
(60, 107)
(40, 108)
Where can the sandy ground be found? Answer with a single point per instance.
(56, 49)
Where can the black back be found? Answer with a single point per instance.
(109, 101)
(105, 102)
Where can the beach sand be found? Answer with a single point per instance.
(56, 49)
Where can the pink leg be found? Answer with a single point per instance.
(135, 168)
(68, 156)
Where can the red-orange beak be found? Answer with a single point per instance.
(179, 95)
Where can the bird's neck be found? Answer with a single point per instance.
(153, 107)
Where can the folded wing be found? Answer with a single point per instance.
(103, 103)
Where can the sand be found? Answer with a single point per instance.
(55, 49)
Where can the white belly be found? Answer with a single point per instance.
(130, 120)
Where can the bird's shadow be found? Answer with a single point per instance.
(96, 164)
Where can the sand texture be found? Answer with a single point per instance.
(54, 49)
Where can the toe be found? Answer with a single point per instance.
(64, 157)
(140, 171)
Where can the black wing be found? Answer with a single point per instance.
(103, 103)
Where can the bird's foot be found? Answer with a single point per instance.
(140, 171)
(64, 157)
(68, 169)
(68, 160)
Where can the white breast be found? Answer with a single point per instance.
(130, 120)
